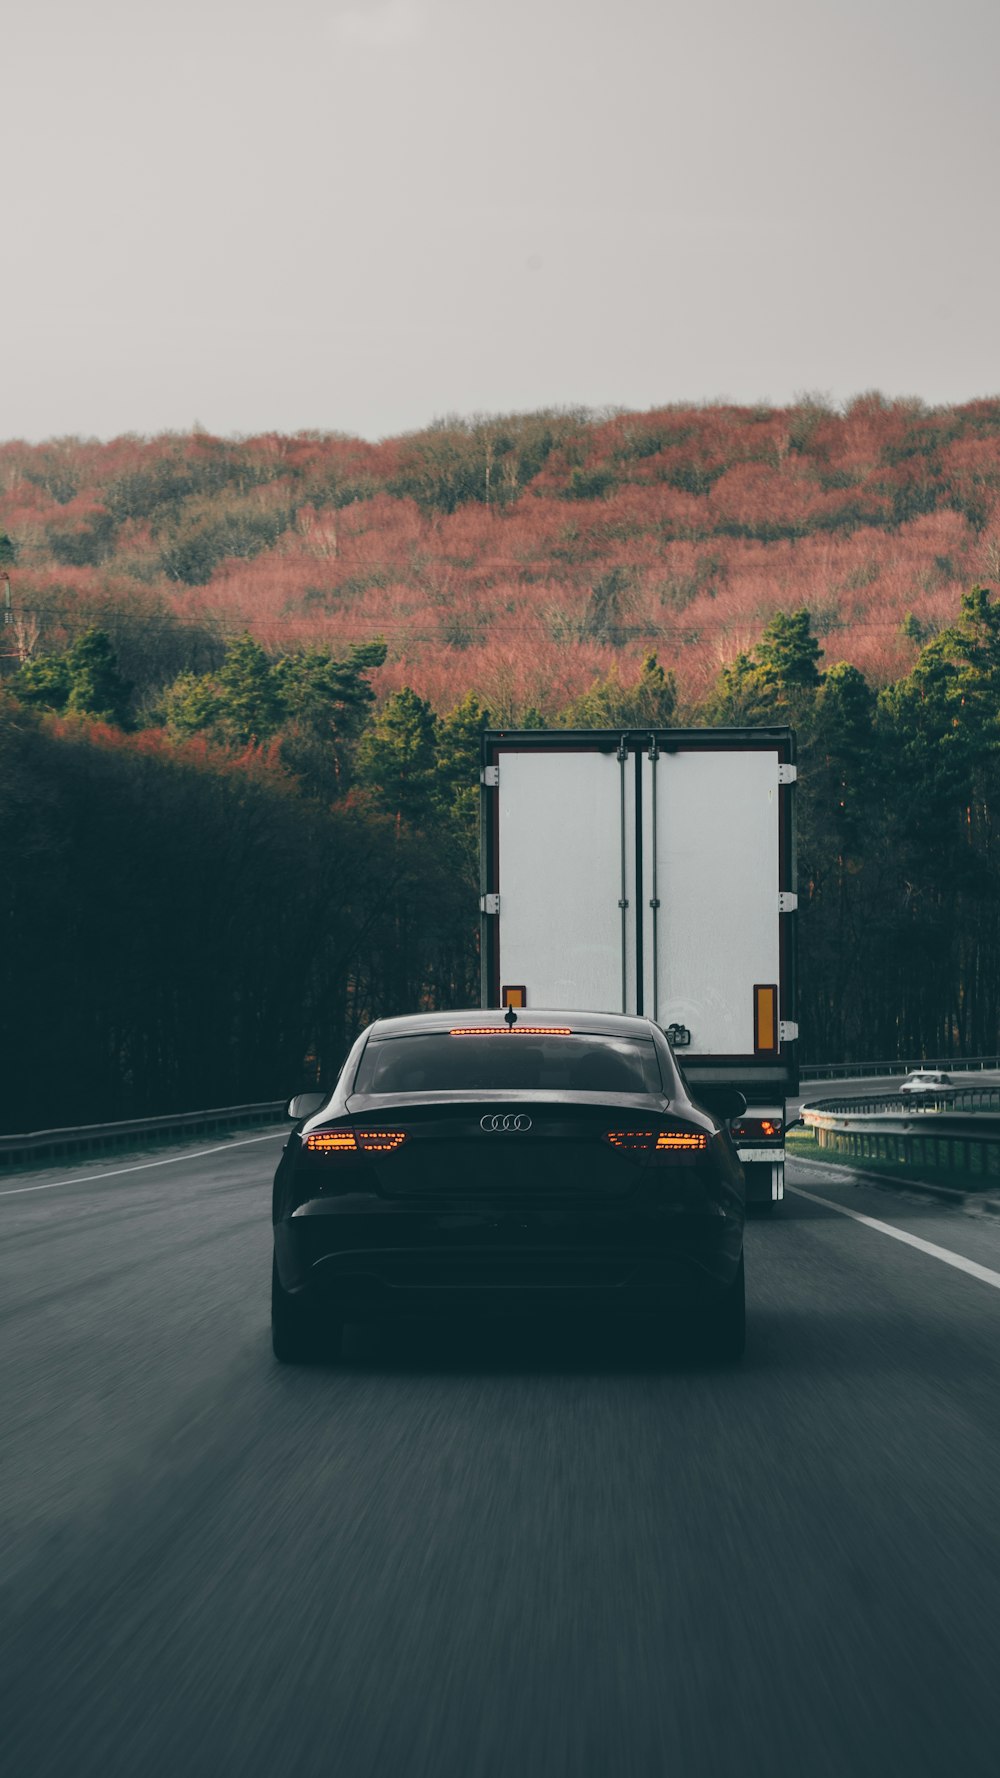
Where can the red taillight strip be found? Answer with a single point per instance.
(515, 1031)
(680, 1140)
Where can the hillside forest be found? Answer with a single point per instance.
(243, 685)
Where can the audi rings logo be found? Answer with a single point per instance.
(509, 1121)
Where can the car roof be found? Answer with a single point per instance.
(584, 1024)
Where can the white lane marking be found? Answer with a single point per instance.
(983, 1273)
(18, 1191)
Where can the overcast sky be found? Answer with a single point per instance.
(361, 214)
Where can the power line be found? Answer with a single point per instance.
(373, 627)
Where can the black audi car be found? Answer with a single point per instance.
(507, 1162)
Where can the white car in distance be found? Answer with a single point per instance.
(924, 1082)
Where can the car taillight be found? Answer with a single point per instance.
(339, 1142)
(630, 1141)
(758, 1129)
(680, 1142)
(331, 1142)
(658, 1146)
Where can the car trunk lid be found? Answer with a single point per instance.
(500, 1147)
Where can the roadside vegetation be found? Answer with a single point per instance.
(245, 682)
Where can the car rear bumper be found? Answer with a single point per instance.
(399, 1261)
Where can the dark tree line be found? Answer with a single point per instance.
(182, 930)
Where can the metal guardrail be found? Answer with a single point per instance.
(36, 1145)
(943, 1132)
(862, 1070)
(964, 1099)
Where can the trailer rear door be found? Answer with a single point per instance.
(644, 876)
(711, 858)
(559, 850)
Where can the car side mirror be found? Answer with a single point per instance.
(724, 1102)
(305, 1105)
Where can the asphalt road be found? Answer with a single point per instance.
(555, 1550)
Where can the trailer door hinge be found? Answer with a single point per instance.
(787, 1030)
(489, 904)
(490, 776)
(788, 901)
(787, 774)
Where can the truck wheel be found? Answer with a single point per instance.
(727, 1330)
(298, 1334)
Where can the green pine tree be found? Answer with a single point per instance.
(249, 695)
(788, 652)
(43, 682)
(83, 680)
(397, 758)
(649, 702)
(96, 688)
(191, 705)
(458, 741)
(777, 683)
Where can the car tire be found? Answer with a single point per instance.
(727, 1330)
(298, 1334)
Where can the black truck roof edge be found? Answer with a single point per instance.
(762, 733)
(608, 740)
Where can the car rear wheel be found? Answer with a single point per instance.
(727, 1329)
(298, 1334)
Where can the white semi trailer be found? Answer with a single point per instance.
(654, 873)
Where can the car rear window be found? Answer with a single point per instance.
(437, 1062)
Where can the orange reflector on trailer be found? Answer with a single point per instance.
(765, 1019)
(514, 996)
